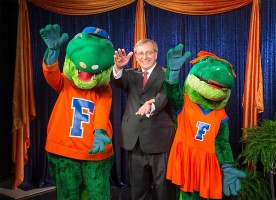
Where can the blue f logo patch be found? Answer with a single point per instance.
(202, 128)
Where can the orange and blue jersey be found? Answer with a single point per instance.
(75, 116)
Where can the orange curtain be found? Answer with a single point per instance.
(199, 7)
(23, 95)
(253, 101)
(140, 30)
(81, 7)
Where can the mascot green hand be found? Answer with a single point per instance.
(99, 141)
(79, 144)
(201, 156)
(54, 41)
(231, 184)
(175, 61)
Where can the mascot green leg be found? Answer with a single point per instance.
(189, 196)
(75, 179)
(84, 193)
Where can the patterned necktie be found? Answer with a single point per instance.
(145, 78)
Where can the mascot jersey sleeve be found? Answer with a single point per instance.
(193, 163)
(75, 117)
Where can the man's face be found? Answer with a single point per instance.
(146, 56)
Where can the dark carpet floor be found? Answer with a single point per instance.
(6, 193)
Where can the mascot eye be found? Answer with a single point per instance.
(109, 43)
(205, 58)
(79, 35)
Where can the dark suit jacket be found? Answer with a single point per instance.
(155, 133)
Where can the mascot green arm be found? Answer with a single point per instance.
(223, 148)
(231, 181)
(174, 93)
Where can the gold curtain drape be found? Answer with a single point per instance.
(81, 7)
(23, 98)
(23, 95)
(140, 29)
(253, 96)
(199, 7)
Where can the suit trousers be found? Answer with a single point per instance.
(147, 174)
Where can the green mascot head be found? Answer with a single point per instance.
(210, 81)
(89, 58)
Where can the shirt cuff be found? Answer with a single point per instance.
(117, 75)
(152, 109)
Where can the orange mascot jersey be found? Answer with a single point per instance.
(76, 114)
(193, 164)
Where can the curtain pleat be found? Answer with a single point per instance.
(81, 7)
(23, 96)
(199, 7)
(140, 29)
(253, 98)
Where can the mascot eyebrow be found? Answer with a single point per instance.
(205, 54)
(201, 160)
(79, 136)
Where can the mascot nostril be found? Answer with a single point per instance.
(201, 160)
(83, 65)
(95, 67)
(79, 136)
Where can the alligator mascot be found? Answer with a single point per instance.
(201, 160)
(79, 135)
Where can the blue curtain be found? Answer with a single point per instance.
(268, 51)
(225, 34)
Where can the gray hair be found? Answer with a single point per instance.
(144, 41)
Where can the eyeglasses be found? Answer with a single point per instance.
(141, 54)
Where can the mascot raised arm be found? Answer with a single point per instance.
(201, 160)
(79, 135)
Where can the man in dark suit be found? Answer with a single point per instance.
(148, 127)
